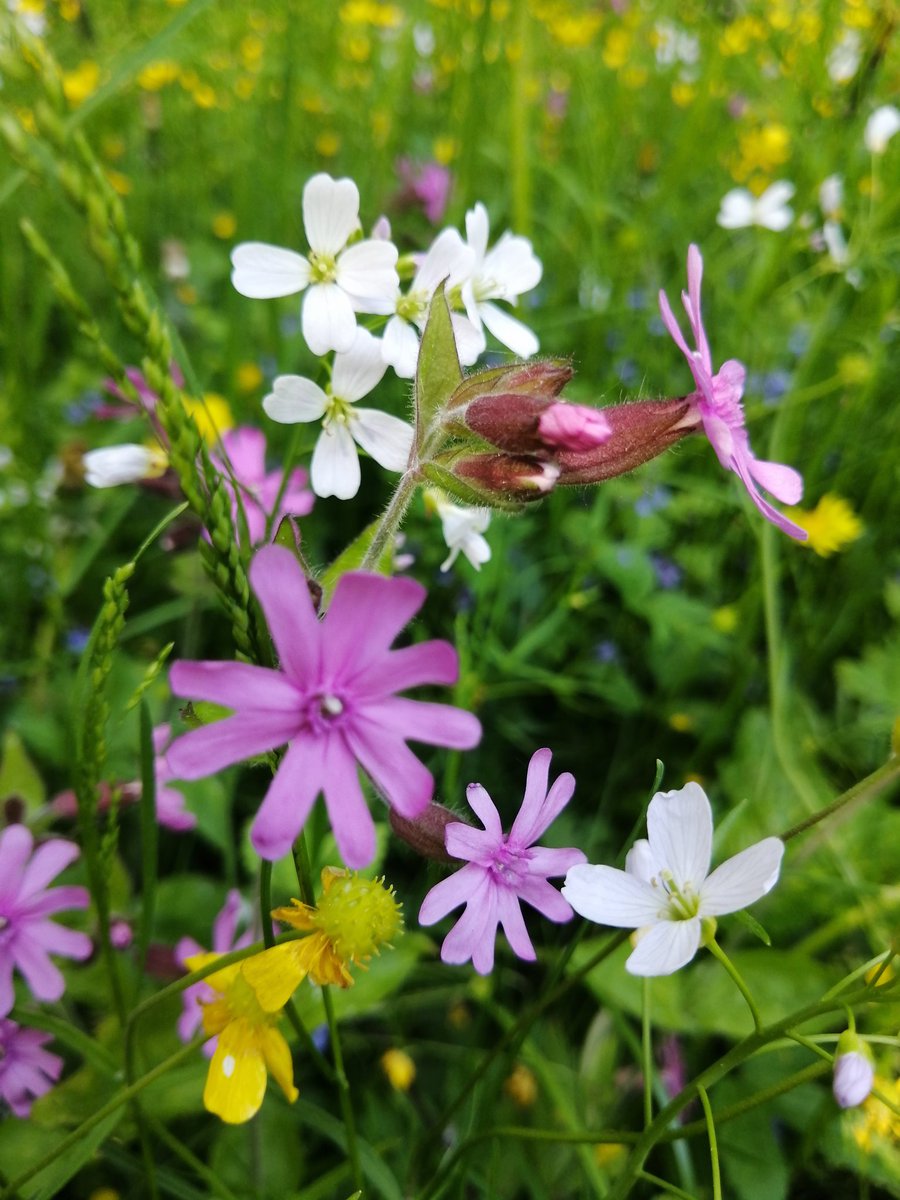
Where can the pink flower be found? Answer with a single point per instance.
(502, 870)
(26, 1069)
(170, 809)
(333, 701)
(573, 427)
(27, 937)
(428, 184)
(244, 471)
(718, 401)
(223, 942)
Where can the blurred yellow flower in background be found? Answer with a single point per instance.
(832, 525)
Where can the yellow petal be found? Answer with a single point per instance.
(298, 914)
(219, 981)
(216, 1015)
(236, 1082)
(326, 965)
(277, 1054)
(275, 974)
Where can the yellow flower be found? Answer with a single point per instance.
(681, 722)
(81, 83)
(328, 143)
(521, 1086)
(157, 75)
(120, 183)
(399, 1068)
(875, 1121)
(445, 149)
(224, 225)
(832, 525)
(249, 1046)
(248, 377)
(212, 415)
(352, 919)
(725, 619)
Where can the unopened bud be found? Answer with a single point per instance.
(510, 478)
(573, 427)
(854, 1071)
(640, 430)
(545, 378)
(425, 833)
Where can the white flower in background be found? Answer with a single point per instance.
(502, 273)
(448, 258)
(463, 530)
(843, 61)
(881, 127)
(740, 208)
(666, 890)
(335, 463)
(339, 280)
(676, 45)
(31, 16)
(831, 196)
(111, 466)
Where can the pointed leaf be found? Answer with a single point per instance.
(754, 926)
(350, 559)
(438, 373)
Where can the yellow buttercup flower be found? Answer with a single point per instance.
(521, 1086)
(399, 1068)
(352, 920)
(81, 82)
(249, 1046)
(832, 525)
(212, 415)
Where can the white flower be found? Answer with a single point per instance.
(666, 890)
(463, 529)
(843, 61)
(335, 463)
(128, 463)
(448, 258)
(831, 196)
(503, 273)
(881, 127)
(340, 281)
(854, 1071)
(740, 208)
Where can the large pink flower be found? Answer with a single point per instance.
(27, 936)
(246, 476)
(503, 869)
(333, 701)
(718, 401)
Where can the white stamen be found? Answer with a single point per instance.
(332, 706)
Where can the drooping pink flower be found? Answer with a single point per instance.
(244, 471)
(502, 870)
(27, 936)
(170, 808)
(223, 942)
(718, 401)
(333, 701)
(27, 1070)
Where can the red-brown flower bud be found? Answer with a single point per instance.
(425, 833)
(640, 430)
(510, 478)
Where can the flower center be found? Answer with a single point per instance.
(337, 411)
(324, 711)
(507, 864)
(683, 902)
(324, 267)
(412, 307)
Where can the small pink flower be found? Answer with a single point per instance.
(27, 1070)
(223, 942)
(245, 475)
(502, 870)
(428, 184)
(333, 701)
(27, 936)
(718, 402)
(170, 808)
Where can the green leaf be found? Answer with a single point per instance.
(438, 373)
(372, 1163)
(53, 1178)
(18, 774)
(754, 926)
(350, 559)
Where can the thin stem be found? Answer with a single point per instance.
(717, 952)
(343, 1088)
(713, 1146)
(883, 777)
(180, 1150)
(391, 520)
(664, 1184)
(265, 902)
(647, 1052)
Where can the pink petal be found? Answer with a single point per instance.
(433, 724)
(397, 670)
(56, 900)
(510, 915)
(46, 863)
(695, 279)
(679, 827)
(7, 992)
(742, 469)
(485, 809)
(473, 845)
(57, 939)
(245, 450)
(366, 614)
(665, 948)
(783, 482)
(351, 821)
(404, 781)
(450, 893)
(43, 978)
(236, 685)
(16, 844)
(540, 808)
(545, 862)
(545, 898)
(291, 795)
(224, 926)
(205, 751)
(473, 935)
(282, 590)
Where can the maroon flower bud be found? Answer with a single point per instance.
(426, 832)
(640, 430)
(505, 478)
(545, 378)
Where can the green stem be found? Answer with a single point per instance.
(343, 1088)
(646, 1052)
(867, 788)
(713, 1146)
(717, 952)
(665, 1186)
(124, 1097)
(265, 902)
(391, 520)
(178, 1148)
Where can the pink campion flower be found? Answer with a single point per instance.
(223, 942)
(27, 1070)
(718, 402)
(428, 184)
(244, 471)
(27, 936)
(170, 807)
(502, 870)
(332, 700)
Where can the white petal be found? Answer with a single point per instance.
(367, 272)
(742, 879)
(736, 209)
(509, 331)
(113, 465)
(512, 267)
(330, 212)
(665, 948)
(640, 863)
(448, 257)
(679, 826)
(477, 230)
(294, 398)
(360, 369)
(263, 272)
(400, 347)
(329, 322)
(881, 127)
(334, 470)
(772, 211)
(610, 897)
(470, 339)
(385, 438)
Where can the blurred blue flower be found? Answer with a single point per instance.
(668, 573)
(652, 502)
(606, 652)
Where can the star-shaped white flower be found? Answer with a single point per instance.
(666, 889)
(339, 280)
(740, 208)
(502, 273)
(335, 462)
(463, 528)
(447, 259)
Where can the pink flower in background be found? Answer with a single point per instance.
(27, 936)
(502, 870)
(428, 184)
(244, 470)
(27, 1070)
(718, 401)
(170, 809)
(333, 701)
(223, 942)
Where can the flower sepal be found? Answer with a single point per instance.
(492, 480)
